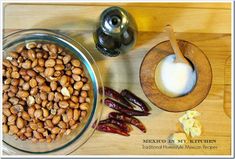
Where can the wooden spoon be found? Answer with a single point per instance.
(179, 55)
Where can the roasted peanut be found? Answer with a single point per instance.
(68, 72)
(76, 114)
(26, 78)
(28, 134)
(40, 130)
(65, 118)
(31, 73)
(45, 88)
(22, 94)
(19, 48)
(7, 81)
(88, 100)
(59, 61)
(31, 55)
(67, 132)
(58, 97)
(69, 114)
(74, 99)
(59, 67)
(14, 89)
(10, 94)
(4, 119)
(6, 112)
(83, 114)
(14, 100)
(11, 119)
(77, 71)
(31, 45)
(60, 111)
(33, 126)
(15, 74)
(86, 87)
(50, 63)
(63, 80)
(14, 55)
(34, 63)
(16, 109)
(81, 99)
(62, 125)
(51, 96)
(53, 85)
(74, 126)
(45, 92)
(26, 86)
(70, 89)
(26, 64)
(48, 140)
(6, 63)
(49, 71)
(41, 62)
(15, 82)
(72, 122)
(63, 104)
(5, 128)
(67, 58)
(45, 47)
(84, 94)
(15, 64)
(45, 112)
(7, 105)
(30, 100)
(75, 63)
(84, 106)
(34, 91)
(33, 83)
(37, 135)
(25, 116)
(38, 113)
(31, 111)
(56, 119)
(39, 69)
(76, 77)
(73, 105)
(13, 129)
(53, 48)
(55, 130)
(40, 80)
(78, 85)
(20, 123)
(65, 92)
(49, 123)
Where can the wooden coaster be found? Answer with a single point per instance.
(176, 104)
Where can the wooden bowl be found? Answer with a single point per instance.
(176, 104)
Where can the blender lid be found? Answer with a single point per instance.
(114, 20)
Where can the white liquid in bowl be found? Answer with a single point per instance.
(174, 79)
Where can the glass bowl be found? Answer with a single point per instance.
(67, 143)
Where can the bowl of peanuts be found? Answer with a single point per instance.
(50, 97)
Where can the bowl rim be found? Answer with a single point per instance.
(77, 49)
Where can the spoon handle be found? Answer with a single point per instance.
(179, 55)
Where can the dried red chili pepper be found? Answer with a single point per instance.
(128, 119)
(134, 99)
(109, 92)
(123, 126)
(121, 108)
(111, 129)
